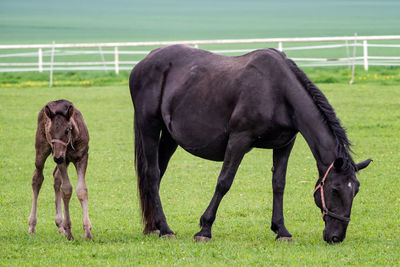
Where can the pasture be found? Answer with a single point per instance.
(43, 21)
(241, 234)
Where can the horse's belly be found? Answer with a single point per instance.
(275, 139)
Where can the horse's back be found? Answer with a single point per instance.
(202, 97)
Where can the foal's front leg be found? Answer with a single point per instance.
(82, 193)
(66, 192)
(42, 152)
(280, 159)
(57, 199)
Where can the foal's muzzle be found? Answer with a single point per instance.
(59, 160)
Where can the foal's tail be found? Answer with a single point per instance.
(146, 204)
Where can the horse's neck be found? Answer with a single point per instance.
(316, 133)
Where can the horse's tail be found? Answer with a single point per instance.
(156, 72)
(146, 204)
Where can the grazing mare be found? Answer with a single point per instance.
(219, 108)
(62, 131)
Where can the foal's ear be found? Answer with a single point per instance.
(48, 112)
(338, 163)
(363, 164)
(70, 112)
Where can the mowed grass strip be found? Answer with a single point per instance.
(241, 234)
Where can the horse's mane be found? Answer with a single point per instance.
(343, 147)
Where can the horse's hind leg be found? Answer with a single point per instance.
(42, 152)
(280, 159)
(167, 147)
(147, 134)
(82, 193)
(238, 145)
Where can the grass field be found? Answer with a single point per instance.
(43, 21)
(241, 234)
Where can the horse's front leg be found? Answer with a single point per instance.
(238, 145)
(280, 159)
(82, 193)
(66, 192)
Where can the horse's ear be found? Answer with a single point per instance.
(363, 164)
(48, 112)
(338, 163)
(70, 112)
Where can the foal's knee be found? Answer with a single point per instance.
(82, 193)
(66, 190)
(37, 179)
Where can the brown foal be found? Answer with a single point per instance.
(62, 131)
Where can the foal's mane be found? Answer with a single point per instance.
(343, 144)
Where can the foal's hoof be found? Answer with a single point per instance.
(168, 236)
(69, 235)
(199, 238)
(32, 230)
(284, 239)
(88, 235)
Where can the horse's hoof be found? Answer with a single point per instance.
(168, 236)
(199, 238)
(284, 239)
(154, 232)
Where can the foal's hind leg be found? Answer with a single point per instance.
(238, 145)
(167, 147)
(280, 159)
(82, 193)
(42, 152)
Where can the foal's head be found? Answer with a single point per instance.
(334, 195)
(60, 129)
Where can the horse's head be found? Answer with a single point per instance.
(59, 131)
(334, 194)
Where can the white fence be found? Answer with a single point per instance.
(61, 57)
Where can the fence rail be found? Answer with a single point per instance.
(123, 59)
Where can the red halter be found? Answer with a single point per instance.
(325, 210)
(59, 141)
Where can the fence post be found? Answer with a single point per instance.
(51, 64)
(40, 58)
(116, 60)
(365, 45)
(280, 46)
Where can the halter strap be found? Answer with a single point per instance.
(325, 211)
(64, 143)
(59, 141)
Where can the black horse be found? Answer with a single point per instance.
(218, 108)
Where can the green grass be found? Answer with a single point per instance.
(43, 21)
(375, 75)
(241, 234)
